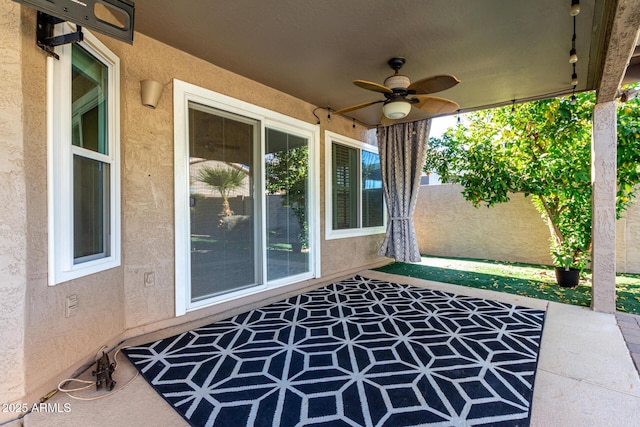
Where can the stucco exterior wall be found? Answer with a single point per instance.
(54, 342)
(628, 240)
(13, 205)
(40, 345)
(448, 225)
(346, 254)
(147, 173)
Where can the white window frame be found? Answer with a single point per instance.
(60, 151)
(329, 139)
(183, 94)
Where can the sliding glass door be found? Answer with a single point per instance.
(246, 198)
(224, 227)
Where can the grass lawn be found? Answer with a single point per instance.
(537, 281)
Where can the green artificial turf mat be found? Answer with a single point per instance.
(529, 280)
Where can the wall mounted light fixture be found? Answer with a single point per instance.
(150, 92)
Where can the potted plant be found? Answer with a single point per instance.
(568, 266)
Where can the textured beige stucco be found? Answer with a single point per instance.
(346, 254)
(628, 240)
(448, 225)
(603, 176)
(53, 343)
(147, 171)
(13, 205)
(41, 346)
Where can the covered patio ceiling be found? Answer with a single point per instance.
(501, 50)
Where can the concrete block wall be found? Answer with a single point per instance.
(448, 225)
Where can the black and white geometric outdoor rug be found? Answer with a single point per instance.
(359, 352)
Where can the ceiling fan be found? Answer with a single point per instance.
(400, 94)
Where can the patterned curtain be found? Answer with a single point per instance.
(403, 149)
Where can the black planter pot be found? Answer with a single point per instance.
(567, 278)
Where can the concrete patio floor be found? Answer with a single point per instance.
(585, 377)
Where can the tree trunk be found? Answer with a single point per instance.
(556, 235)
(226, 209)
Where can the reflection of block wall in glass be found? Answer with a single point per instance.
(282, 224)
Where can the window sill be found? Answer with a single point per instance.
(355, 232)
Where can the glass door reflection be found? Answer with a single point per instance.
(287, 204)
(224, 227)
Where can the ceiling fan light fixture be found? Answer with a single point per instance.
(396, 110)
(402, 95)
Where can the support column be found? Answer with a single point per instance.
(603, 177)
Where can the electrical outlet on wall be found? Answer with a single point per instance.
(71, 305)
(149, 278)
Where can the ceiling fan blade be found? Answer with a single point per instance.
(435, 106)
(434, 84)
(372, 86)
(356, 107)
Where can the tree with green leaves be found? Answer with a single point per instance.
(287, 172)
(541, 149)
(224, 180)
